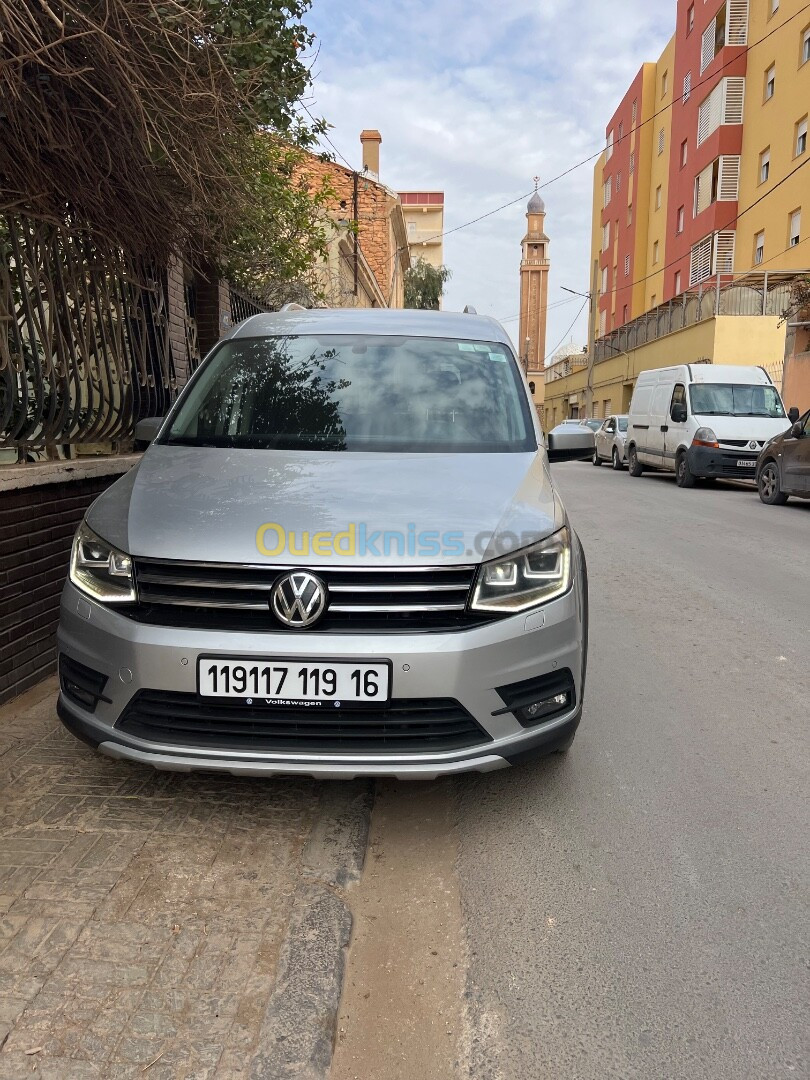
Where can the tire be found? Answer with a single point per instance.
(617, 465)
(596, 460)
(633, 464)
(769, 485)
(684, 477)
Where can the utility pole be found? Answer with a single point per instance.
(591, 335)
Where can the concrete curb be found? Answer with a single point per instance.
(298, 1030)
(336, 849)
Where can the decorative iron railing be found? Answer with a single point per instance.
(765, 293)
(84, 340)
(243, 305)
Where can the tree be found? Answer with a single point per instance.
(142, 124)
(424, 285)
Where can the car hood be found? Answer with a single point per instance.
(728, 428)
(207, 504)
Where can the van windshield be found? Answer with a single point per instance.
(357, 393)
(735, 399)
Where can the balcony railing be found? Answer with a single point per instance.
(766, 293)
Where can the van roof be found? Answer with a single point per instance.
(708, 373)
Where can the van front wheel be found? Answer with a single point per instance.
(633, 465)
(684, 477)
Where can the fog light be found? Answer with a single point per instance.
(539, 709)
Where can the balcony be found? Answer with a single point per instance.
(766, 293)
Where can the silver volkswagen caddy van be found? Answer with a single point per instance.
(342, 554)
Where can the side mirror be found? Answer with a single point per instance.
(146, 431)
(678, 414)
(570, 446)
(793, 414)
(797, 431)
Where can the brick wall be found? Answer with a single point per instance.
(37, 524)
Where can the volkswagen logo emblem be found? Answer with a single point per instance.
(298, 599)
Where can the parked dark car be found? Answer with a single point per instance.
(783, 466)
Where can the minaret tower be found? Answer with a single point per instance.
(534, 268)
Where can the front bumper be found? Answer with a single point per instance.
(465, 665)
(708, 461)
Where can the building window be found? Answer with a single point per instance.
(805, 45)
(656, 249)
(618, 182)
(658, 197)
(629, 213)
(661, 141)
(621, 130)
(684, 152)
(764, 165)
(664, 84)
(690, 19)
(774, 6)
(724, 105)
(677, 282)
(627, 266)
(625, 313)
(604, 280)
(687, 87)
(801, 137)
(759, 247)
(606, 236)
(608, 190)
(609, 146)
(653, 300)
(634, 113)
(632, 162)
(795, 228)
(770, 82)
(680, 224)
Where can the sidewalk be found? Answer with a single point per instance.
(162, 918)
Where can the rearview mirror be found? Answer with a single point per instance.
(793, 414)
(570, 446)
(797, 431)
(678, 414)
(146, 431)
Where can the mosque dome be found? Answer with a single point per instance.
(536, 205)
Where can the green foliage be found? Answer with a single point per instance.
(424, 285)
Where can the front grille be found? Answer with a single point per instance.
(229, 597)
(418, 725)
(727, 463)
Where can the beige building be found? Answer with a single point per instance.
(424, 220)
(534, 268)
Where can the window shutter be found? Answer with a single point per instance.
(737, 22)
(728, 186)
(707, 45)
(632, 162)
(795, 227)
(710, 114)
(627, 266)
(687, 87)
(700, 261)
(733, 99)
(661, 140)
(724, 252)
(703, 190)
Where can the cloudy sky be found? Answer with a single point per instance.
(476, 98)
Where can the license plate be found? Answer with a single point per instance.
(746, 464)
(273, 681)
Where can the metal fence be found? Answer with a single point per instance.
(767, 293)
(84, 340)
(243, 305)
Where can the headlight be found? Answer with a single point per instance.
(705, 436)
(526, 578)
(99, 569)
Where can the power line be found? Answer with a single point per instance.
(548, 307)
(324, 136)
(567, 332)
(593, 157)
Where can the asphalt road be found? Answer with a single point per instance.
(639, 908)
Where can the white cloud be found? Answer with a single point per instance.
(476, 99)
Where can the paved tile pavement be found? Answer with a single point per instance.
(141, 913)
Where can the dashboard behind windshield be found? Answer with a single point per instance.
(735, 399)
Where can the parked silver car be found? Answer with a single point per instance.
(343, 554)
(609, 442)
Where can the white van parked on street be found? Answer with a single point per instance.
(702, 420)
